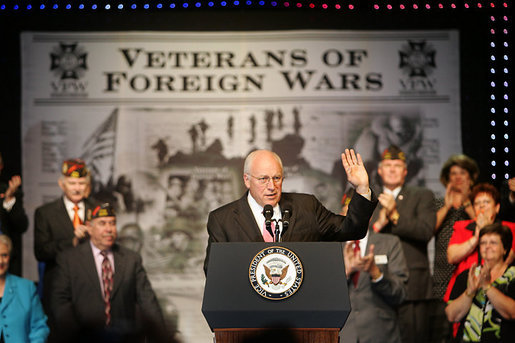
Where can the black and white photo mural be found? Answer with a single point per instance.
(164, 120)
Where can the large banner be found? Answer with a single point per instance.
(165, 120)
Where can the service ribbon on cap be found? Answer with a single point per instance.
(74, 168)
(104, 210)
(393, 153)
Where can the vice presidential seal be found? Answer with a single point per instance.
(276, 273)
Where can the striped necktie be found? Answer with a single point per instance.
(107, 281)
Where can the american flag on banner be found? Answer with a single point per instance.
(99, 149)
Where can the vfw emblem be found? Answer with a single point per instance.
(417, 60)
(276, 273)
(68, 63)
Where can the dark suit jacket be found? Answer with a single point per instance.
(310, 221)
(415, 228)
(374, 305)
(53, 233)
(507, 211)
(14, 223)
(77, 302)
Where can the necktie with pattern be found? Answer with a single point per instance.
(107, 281)
(76, 218)
(357, 251)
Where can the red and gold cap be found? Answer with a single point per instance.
(103, 210)
(75, 168)
(393, 152)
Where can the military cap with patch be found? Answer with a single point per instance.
(103, 210)
(393, 152)
(75, 168)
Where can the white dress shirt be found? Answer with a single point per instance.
(395, 192)
(257, 211)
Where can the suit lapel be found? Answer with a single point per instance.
(90, 269)
(402, 199)
(61, 215)
(246, 221)
(119, 269)
(286, 202)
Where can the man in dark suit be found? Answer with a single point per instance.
(409, 213)
(101, 291)
(13, 220)
(507, 211)
(243, 220)
(58, 225)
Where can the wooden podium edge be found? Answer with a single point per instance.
(297, 335)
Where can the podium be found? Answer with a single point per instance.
(315, 312)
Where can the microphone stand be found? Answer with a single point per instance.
(268, 227)
(277, 232)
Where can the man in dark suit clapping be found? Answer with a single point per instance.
(409, 213)
(59, 225)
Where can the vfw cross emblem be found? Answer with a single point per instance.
(276, 273)
(68, 61)
(417, 60)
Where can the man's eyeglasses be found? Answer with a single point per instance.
(264, 180)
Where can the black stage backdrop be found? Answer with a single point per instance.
(474, 38)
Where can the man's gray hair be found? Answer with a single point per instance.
(250, 159)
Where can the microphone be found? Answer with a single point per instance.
(268, 212)
(286, 218)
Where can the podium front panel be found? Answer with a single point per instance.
(322, 300)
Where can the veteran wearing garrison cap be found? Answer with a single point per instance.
(101, 291)
(409, 213)
(59, 224)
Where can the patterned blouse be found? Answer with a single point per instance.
(483, 323)
(442, 269)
